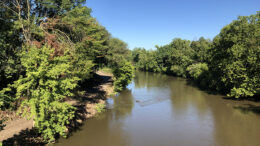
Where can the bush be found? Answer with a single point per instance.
(123, 73)
(6, 101)
(48, 80)
(178, 71)
(100, 107)
(197, 71)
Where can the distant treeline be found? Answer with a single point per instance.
(229, 64)
(47, 48)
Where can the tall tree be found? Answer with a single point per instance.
(201, 47)
(117, 50)
(236, 56)
(10, 43)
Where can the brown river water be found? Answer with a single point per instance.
(161, 110)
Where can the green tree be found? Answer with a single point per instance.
(118, 58)
(123, 73)
(117, 49)
(48, 81)
(201, 47)
(51, 8)
(90, 38)
(235, 57)
(180, 57)
(199, 72)
(136, 54)
(9, 47)
(57, 44)
(229, 64)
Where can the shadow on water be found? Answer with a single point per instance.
(92, 94)
(253, 99)
(246, 108)
(196, 85)
(107, 126)
(123, 104)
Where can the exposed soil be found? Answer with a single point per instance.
(20, 131)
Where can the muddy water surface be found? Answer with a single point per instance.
(161, 110)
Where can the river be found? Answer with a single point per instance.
(161, 110)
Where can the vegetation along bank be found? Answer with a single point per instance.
(49, 53)
(228, 64)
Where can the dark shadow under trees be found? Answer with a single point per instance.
(246, 108)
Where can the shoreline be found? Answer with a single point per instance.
(19, 131)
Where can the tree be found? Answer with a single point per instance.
(123, 72)
(10, 42)
(117, 50)
(58, 44)
(201, 47)
(90, 38)
(48, 81)
(118, 58)
(236, 56)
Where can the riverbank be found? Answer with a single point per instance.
(19, 131)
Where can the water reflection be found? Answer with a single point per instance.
(233, 126)
(98, 132)
(123, 105)
(106, 127)
(147, 80)
(157, 109)
(186, 98)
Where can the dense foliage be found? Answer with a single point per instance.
(46, 49)
(173, 58)
(123, 72)
(48, 80)
(235, 60)
(9, 48)
(229, 64)
(119, 59)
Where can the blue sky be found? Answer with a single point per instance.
(146, 23)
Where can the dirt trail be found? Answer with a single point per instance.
(102, 87)
(14, 127)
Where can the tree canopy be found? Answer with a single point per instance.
(46, 49)
(229, 64)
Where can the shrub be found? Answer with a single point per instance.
(197, 71)
(178, 70)
(100, 107)
(48, 80)
(123, 73)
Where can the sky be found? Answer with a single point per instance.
(146, 23)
